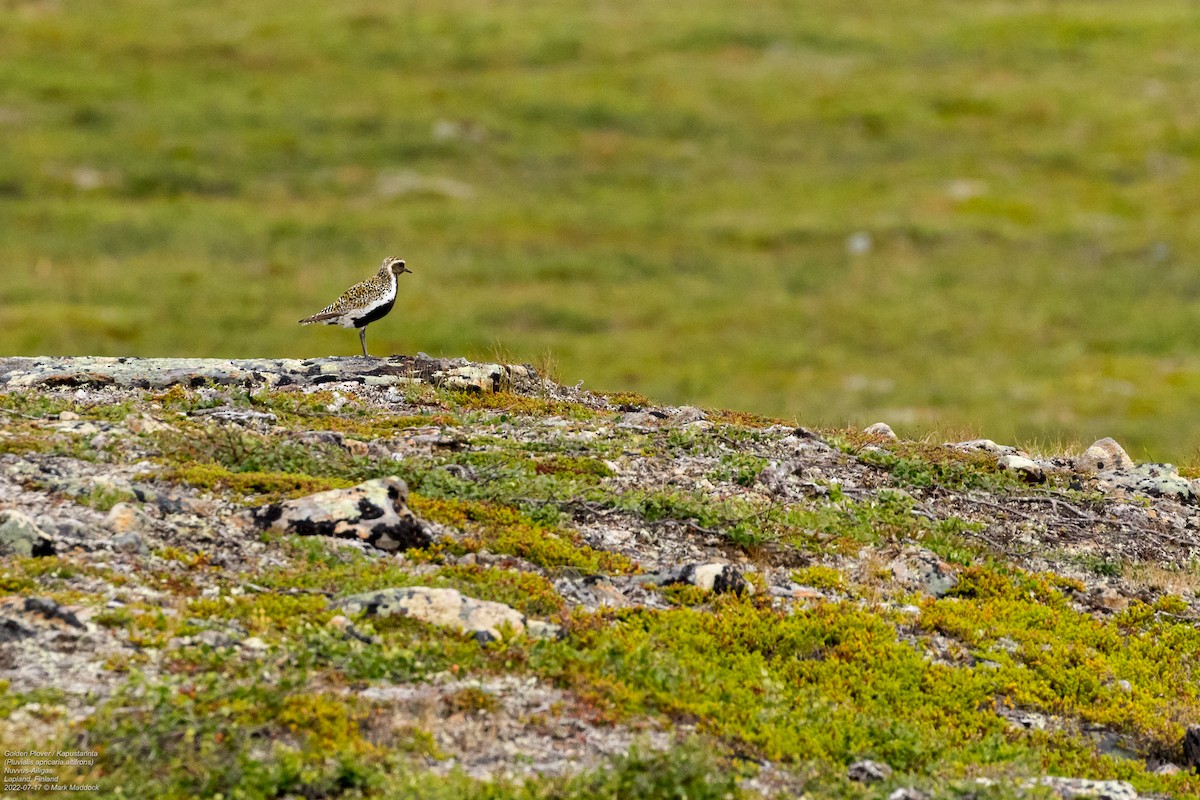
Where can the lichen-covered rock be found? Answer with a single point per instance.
(375, 512)
(484, 619)
(20, 535)
(1105, 454)
(717, 578)
(1155, 480)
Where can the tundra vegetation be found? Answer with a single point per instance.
(230, 673)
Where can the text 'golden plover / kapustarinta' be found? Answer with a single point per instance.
(365, 302)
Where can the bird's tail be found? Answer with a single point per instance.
(324, 316)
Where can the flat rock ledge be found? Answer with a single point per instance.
(160, 373)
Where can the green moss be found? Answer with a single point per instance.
(264, 487)
(740, 468)
(528, 593)
(103, 498)
(574, 466)
(470, 699)
(743, 419)
(41, 405)
(831, 683)
(1067, 662)
(204, 734)
(684, 595)
(504, 529)
(53, 575)
(517, 404)
(819, 576)
(20, 442)
(265, 614)
(10, 701)
(630, 401)
(114, 618)
(375, 426)
(925, 464)
(34, 405)
(837, 524)
(243, 451)
(15, 581)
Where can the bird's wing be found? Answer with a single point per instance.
(350, 298)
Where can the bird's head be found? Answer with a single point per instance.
(396, 265)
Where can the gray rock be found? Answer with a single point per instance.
(129, 543)
(924, 571)
(1029, 470)
(374, 512)
(868, 771)
(449, 608)
(21, 536)
(1105, 454)
(881, 429)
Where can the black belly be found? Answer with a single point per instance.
(371, 316)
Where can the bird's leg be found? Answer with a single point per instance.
(362, 337)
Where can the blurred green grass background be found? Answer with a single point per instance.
(946, 215)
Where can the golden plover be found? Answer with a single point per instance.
(365, 302)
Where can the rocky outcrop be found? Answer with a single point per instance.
(159, 373)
